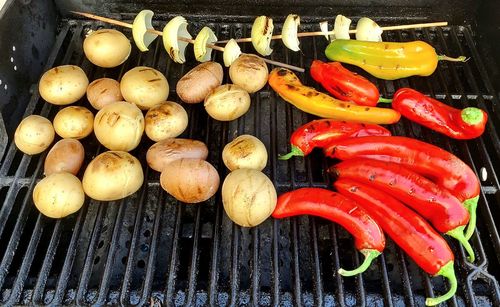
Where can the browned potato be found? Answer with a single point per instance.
(166, 120)
(169, 150)
(74, 122)
(65, 156)
(250, 72)
(190, 180)
(107, 47)
(194, 86)
(102, 92)
(144, 86)
(63, 85)
(34, 134)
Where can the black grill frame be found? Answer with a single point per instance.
(55, 261)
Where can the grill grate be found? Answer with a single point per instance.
(149, 249)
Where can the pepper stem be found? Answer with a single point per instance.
(384, 100)
(448, 272)
(294, 152)
(369, 254)
(472, 116)
(457, 59)
(471, 206)
(458, 233)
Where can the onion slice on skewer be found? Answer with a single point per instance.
(324, 29)
(368, 30)
(143, 23)
(289, 32)
(341, 28)
(175, 28)
(262, 30)
(201, 52)
(231, 52)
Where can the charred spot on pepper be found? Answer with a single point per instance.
(282, 72)
(367, 109)
(372, 177)
(291, 87)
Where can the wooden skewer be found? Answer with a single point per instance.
(184, 39)
(319, 33)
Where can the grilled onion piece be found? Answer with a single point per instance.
(201, 52)
(262, 30)
(368, 30)
(231, 52)
(341, 27)
(140, 27)
(289, 32)
(175, 28)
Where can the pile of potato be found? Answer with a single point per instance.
(138, 104)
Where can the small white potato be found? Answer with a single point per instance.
(119, 126)
(112, 175)
(194, 86)
(74, 122)
(165, 120)
(58, 195)
(245, 151)
(65, 156)
(102, 92)
(227, 102)
(250, 72)
(190, 180)
(248, 196)
(144, 86)
(34, 134)
(63, 85)
(107, 48)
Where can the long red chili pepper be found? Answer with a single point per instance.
(408, 229)
(434, 203)
(435, 163)
(323, 132)
(463, 124)
(344, 84)
(368, 237)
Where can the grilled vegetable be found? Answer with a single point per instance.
(245, 151)
(102, 92)
(388, 60)
(463, 124)
(289, 32)
(74, 122)
(194, 86)
(58, 195)
(231, 52)
(165, 120)
(107, 48)
(341, 27)
(262, 30)
(289, 87)
(325, 132)
(204, 37)
(142, 23)
(368, 237)
(432, 162)
(119, 126)
(410, 231)
(190, 180)
(344, 84)
(144, 86)
(248, 196)
(227, 102)
(65, 156)
(368, 30)
(63, 85)
(175, 28)
(250, 72)
(112, 175)
(34, 134)
(434, 203)
(162, 153)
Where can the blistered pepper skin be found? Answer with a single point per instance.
(386, 60)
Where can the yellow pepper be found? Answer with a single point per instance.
(309, 100)
(388, 60)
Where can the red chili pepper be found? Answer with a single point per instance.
(408, 229)
(345, 85)
(463, 124)
(434, 203)
(435, 163)
(368, 237)
(323, 132)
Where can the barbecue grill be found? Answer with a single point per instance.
(149, 249)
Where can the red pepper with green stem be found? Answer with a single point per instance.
(408, 229)
(432, 162)
(463, 124)
(323, 132)
(434, 203)
(368, 237)
(345, 85)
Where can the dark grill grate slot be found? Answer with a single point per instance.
(151, 248)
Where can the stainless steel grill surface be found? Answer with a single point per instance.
(150, 249)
